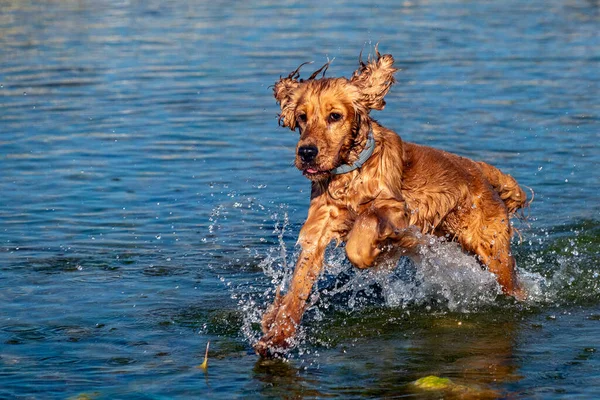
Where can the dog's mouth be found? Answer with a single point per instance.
(315, 170)
(314, 174)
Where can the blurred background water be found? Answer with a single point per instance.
(149, 202)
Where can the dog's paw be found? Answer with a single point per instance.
(278, 339)
(266, 350)
(272, 346)
(519, 294)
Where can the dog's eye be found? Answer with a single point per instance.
(302, 117)
(333, 117)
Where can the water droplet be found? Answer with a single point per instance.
(158, 236)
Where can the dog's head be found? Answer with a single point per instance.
(331, 114)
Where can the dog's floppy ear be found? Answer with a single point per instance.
(283, 91)
(374, 79)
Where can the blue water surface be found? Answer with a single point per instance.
(150, 204)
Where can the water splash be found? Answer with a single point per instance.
(561, 265)
(448, 277)
(443, 279)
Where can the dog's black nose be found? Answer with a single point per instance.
(307, 153)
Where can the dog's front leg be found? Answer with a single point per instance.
(283, 317)
(382, 233)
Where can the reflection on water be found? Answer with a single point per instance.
(476, 355)
(149, 201)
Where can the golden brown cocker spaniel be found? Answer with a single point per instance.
(379, 194)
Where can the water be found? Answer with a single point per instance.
(149, 203)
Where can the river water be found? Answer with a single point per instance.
(150, 205)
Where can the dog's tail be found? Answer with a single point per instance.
(507, 188)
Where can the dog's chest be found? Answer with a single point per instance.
(354, 194)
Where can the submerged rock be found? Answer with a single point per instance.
(453, 390)
(433, 382)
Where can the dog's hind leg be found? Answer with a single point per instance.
(488, 235)
(496, 256)
(499, 261)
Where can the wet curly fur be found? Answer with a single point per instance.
(382, 209)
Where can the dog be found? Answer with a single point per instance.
(379, 194)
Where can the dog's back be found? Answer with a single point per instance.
(435, 184)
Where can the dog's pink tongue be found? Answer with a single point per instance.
(311, 170)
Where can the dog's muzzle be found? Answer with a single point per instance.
(308, 153)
